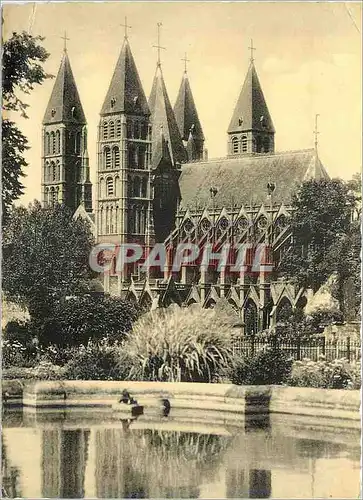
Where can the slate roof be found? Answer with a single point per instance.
(162, 116)
(244, 179)
(251, 106)
(186, 112)
(64, 98)
(125, 93)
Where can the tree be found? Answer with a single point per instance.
(45, 256)
(22, 70)
(321, 216)
(344, 258)
(76, 320)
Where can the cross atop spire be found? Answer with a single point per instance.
(125, 25)
(252, 48)
(185, 62)
(316, 132)
(64, 38)
(158, 46)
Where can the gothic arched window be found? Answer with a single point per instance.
(235, 146)
(58, 171)
(115, 157)
(141, 156)
(136, 130)
(46, 172)
(117, 186)
(58, 145)
(144, 187)
(77, 144)
(105, 130)
(142, 220)
(244, 144)
(101, 188)
(100, 213)
(131, 156)
(144, 131)
(266, 144)
(136, 189)
(47, 144)
(54, 171)
(52, 136)
(111, 221)
(129, 130)
(107, 216)
(109, 186)
(107, 157)
(118, 128)
(112, 130)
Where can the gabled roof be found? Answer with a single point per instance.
(162, 115)
(125, 93)
(251, 106)
(244, 179)
(64, 104)
(186, 112)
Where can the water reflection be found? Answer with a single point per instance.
(64, 457)
(165, 459)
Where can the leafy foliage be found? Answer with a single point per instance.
(22, 68)
(76, 320)
(268, 366)
(337, 374)
(13, 163)
(322, 211)
(179, 347)
(45, 256)
(98, 361)
(345, 259)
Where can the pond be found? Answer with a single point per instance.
(96, 454)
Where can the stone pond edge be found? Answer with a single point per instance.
(327, 403)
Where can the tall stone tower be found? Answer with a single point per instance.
(251, 129)
(168, 153)
(65, 162)
(188, 121)
(124, 189)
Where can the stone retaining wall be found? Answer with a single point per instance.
(327, 403)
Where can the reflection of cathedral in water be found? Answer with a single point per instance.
(64, 458)
(143, 464)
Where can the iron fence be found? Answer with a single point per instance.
(299, 349)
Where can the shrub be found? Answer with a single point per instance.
(179, 346)
(269, 366)
(43, 371)
(14, 353)
(98, 361)
(76, 320)
(337, 374)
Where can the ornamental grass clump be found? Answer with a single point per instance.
(184, 345)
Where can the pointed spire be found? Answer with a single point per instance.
(251, 112)
(125, 93)
(64, 104)
(161, 151)
(162, 115)
(186, 112)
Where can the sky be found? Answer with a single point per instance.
(308, 58)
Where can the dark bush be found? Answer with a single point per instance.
(98, 361)
(76, 320)
(270, 366)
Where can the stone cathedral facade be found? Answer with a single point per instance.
(156, 184)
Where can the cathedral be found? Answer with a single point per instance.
(156, 184)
